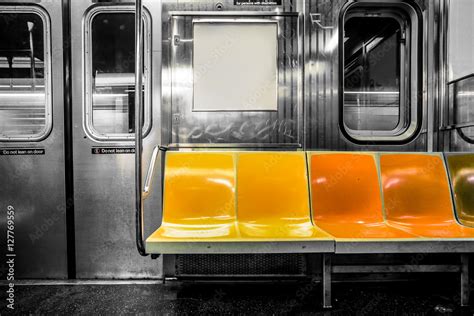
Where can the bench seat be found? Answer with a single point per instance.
(319, 202)
(417, 200)
(292, 202)
(346, 198)
(273, 199)
(418, 196)
(224, 202)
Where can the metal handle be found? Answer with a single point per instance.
(461, 79)
(316, 19)
(456, 126)
(150, 174)
(31, 26)
(139, 227)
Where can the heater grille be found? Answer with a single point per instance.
(240, 264)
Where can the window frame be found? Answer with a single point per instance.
(48, 127)
(411, 101)
(88, 123)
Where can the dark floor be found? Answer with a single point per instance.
(303, 298)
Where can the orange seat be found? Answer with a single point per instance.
(272, 198)
(199, 198)
(417, 196)
(346, 197)
(461, 169)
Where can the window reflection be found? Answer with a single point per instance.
(113, 71)
(372, 72)
(22, 76)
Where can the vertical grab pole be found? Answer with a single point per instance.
(31, 26)
(138, 128)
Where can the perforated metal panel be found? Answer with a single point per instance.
(260, 264)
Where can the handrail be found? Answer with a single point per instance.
(456, 126)
(461, 79)
(139, 227)
(316, 19)
(151, 171)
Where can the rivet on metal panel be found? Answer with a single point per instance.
(176, 118)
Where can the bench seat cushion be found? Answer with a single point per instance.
(346, 197)
(417, 196)
(199, 197)
(273, 197)
(230, 202)
(282, 202)
(461, 169)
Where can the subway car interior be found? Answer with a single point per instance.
(311, 140)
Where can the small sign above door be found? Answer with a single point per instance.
(257, 2)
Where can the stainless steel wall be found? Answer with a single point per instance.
(183, 127)
(35, 185)
(457, 111)
(321, 128)
(104, 184)
(459, 131)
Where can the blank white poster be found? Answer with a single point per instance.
(235, 66)
(461, 38)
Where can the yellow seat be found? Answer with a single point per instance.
(198, 199)
(346, 197)
(273, 197)
(461, 168)
(236, 203)
(417, 196)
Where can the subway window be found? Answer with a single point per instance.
(110, 76)
(25, 75)
(379, 73)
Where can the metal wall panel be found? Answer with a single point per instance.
(320, 130)
(35, 185)
(457, 93)
(184, 127)
(104, 184)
